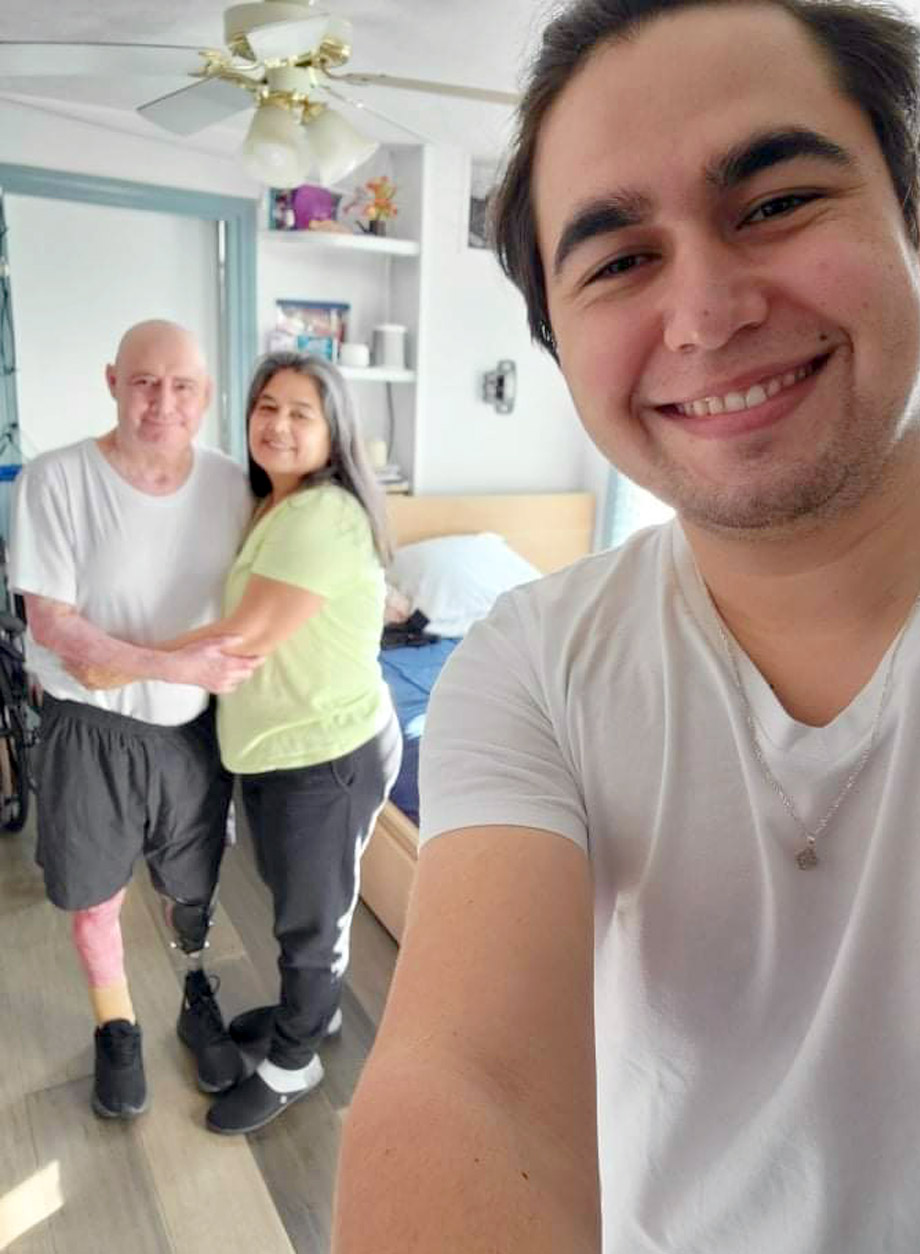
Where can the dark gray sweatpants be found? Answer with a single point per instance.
(309, 826)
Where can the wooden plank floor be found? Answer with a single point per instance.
(73, 1184)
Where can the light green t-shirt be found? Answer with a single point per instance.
(320, 694)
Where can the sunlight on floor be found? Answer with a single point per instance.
(30, 1203)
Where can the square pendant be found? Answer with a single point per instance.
(806, 858)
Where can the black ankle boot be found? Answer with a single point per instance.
(201, 1028)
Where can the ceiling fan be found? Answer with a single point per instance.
(285, 57)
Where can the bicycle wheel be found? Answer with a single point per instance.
(14, 772)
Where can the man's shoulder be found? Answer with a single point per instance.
(617, 577)
(214, 462)
(581, 609)
(57, 460)
(219, 474)
(573, 634)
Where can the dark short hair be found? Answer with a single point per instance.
(348, 465)
(872, 50)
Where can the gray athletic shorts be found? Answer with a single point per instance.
(111, 788)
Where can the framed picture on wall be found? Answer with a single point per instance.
(483, 177)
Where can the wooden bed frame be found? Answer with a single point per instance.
(551, 530)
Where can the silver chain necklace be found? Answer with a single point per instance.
(807, 857)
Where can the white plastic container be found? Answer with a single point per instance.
(356, 355)
(390, 346)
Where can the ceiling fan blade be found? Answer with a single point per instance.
(193, 108)
(280, 40)
(424, 85)
(79, 60)
(384, 117)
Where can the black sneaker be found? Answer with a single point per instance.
(201, 1028)
(253, 1103)
(120, 1089)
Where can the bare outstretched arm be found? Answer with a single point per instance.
(269, 612)
(473, 1128)
(221, 654)
(90, 652)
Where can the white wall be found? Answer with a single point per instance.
(31, 136)
(81, 274)
(472, 317)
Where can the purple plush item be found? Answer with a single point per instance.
(314, 204)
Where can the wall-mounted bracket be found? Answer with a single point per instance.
(499, 387)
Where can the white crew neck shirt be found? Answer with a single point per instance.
(758, 1026)
(142, 568)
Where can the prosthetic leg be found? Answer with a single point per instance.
(201, 1026)
(190, 923)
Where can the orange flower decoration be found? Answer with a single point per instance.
(383, 204)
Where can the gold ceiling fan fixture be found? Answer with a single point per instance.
(286, 56)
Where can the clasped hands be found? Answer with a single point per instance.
(203, 663)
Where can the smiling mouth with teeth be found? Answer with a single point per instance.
(734, 402)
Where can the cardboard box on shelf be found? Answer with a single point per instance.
(310, 326)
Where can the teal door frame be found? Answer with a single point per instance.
(236, 221)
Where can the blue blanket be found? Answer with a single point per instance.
(410, 673)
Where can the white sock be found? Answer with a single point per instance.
(291, 1079)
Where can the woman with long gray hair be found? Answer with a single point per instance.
(312, 735)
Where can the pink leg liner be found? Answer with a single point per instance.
(97, 936)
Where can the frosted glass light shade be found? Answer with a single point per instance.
(274, 151)
(335, 146)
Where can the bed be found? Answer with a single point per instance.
(549, 530)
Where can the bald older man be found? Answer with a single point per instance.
(127, 538)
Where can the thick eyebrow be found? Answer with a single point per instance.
(623, 209)
(602, 216)
(772, 148)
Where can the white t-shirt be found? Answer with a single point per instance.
(142, 568)
(758, 1026)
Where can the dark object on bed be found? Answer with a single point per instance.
(409, 633)
(410, 672)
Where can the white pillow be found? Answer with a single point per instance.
(455, 580)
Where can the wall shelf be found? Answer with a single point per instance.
(382, 244)
(377, 374)
(380, 278)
